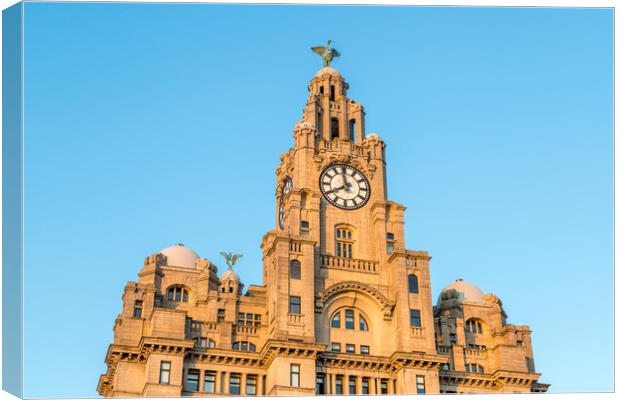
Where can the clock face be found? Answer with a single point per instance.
(288, 184)
(344, 186)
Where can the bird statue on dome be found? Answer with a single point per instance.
(231, 258)
(326, 53)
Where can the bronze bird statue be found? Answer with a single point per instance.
(230, 258)
(326, 53)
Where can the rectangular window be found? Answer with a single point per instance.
(350, 348)
(320, 384)
(352, 385)
(220, 315)
(304, 230)
(201, 342)
(364, 349)
(137, 309)
(164, 373)
(415, 318)
(235, 384)
(384, 386)
(250, 385)
(390, 247)
(295, 269)
(419, 383)
(294, 375)
(191, 380)
(335, 346)
(339, 384)
(365, 386)
(519, 343)
(332, 93)
(294, 306)
(349, 322)
(209, 382)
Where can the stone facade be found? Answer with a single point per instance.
(344, 307)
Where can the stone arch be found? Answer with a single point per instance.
(326, 296)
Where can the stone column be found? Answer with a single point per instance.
(201, 383)
(225, 383)
(345, 384)
(259, 385)
(242, 379)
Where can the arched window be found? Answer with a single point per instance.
(344, 242)
(295, 269)
(336, 320)
(413, 283)
(363, 324)
(211, 343)
(352, 129)
(244, 346)
(350, 317)
(473, 326)
(177, 293)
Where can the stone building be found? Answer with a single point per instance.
(345, 307)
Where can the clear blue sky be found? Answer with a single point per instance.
(142, 119)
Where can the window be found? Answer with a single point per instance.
(332, 93)
(349, 321)
(344, 243)
(419, 384)
(248, 319)
(335, 346)
(244, 346)
(294, 305)
(350, 348)
(473, 326)
(220, 315)
(384, 386)
(365, 386)
(413, 283)
(363, 323)
(191, 380)
(164, 373)
(364, 349)
(250, 385)
(352, 385)
(295, 269)
(445, 367)
(304, 229)
(474, 368)
(390, 242)
(201, 342)
(335, 128)
(453, 338)
(352, 129)
(414, 318)
(137, 309)
(338, 384)
(321, 90)
(209, 382)
(234, 386)
(520, 343)
(336, 320)
(294, 375)
(177, 293)
(320, 384)
(211, 343)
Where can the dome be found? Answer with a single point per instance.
(229, 274)
(327, 71)
(468, 292)
(180, 256)
(373, 135)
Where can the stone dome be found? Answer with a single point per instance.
(180, 256)
(229, 274)
(327, 71)
(468, 292)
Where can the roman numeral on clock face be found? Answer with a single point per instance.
(344, 186)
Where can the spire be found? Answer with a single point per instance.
(326, 53)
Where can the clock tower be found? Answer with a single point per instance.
(339, 248)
